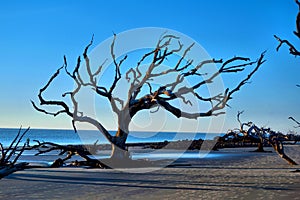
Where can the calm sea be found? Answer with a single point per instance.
(91, 136)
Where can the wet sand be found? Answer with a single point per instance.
(242, 175)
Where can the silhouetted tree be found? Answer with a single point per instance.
(139, 97)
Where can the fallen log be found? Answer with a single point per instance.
(9, 169)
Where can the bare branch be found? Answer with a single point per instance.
(99, 69)
(297, 32)
(238, 117)
(217, 97)
(222, 100)
(12, 143)
(243, 82)
(46, 112)
(237, 68)
(150, 88)
(224, 69)
(298, 123)
(160, 54)
(87, 47)
(95, 123)
(17, 139)
(292, 49)
(117, 66)
(182, 58)
(54, 103)
(200, 65)
(87, 61)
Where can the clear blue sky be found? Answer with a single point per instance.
(34, 36)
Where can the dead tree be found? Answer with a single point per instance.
(266, 136)
(244, 134)
(254, 137)
(11, 154)
(293, 50)
(139, 98)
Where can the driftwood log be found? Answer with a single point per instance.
(69, 150)
(9, 169)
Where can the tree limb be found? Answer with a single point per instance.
(297, 32)
(298, 123)
(292, 49)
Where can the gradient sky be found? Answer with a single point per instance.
(34, 36)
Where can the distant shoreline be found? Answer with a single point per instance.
(66, 137)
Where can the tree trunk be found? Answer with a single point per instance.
(119, 150)
(260, 144)
(260, 147)
(278, 147)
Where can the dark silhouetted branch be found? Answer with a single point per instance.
(7, 165)
(292, 49)
(297, 32)
(298, 123)
(70, 150)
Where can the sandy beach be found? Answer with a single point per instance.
(242, 175)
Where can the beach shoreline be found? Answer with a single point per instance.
(248, 175)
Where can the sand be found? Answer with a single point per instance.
(244, 176)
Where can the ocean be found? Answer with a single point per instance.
(64, 137)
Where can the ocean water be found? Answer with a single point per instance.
(91, 136)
